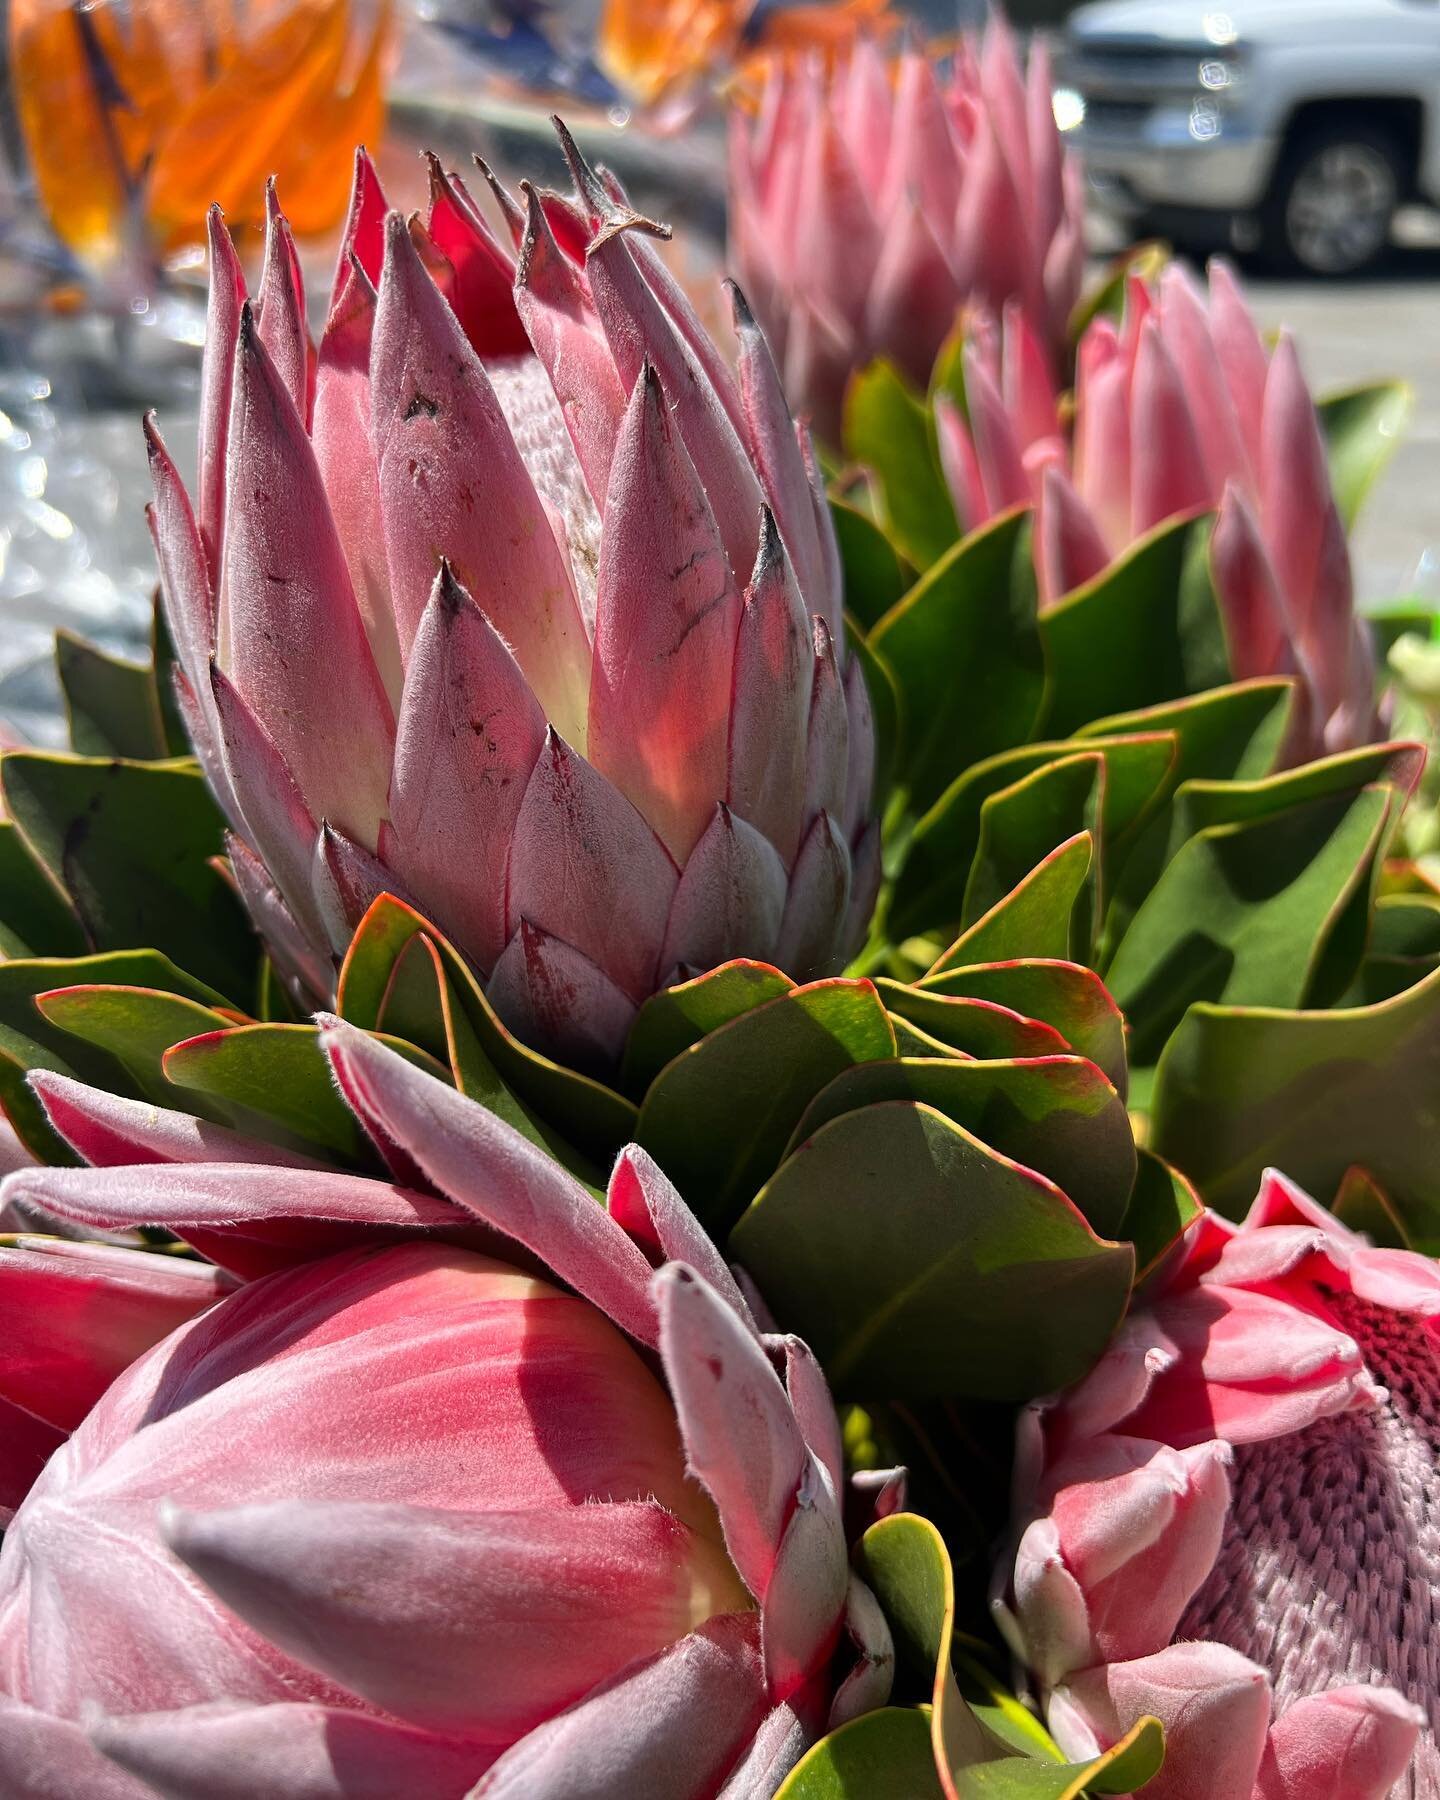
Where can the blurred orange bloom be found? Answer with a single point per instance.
(138, 116)
(654, 47)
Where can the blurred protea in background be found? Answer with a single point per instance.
(518, 601)
(404, 1516)
(871, 200)
(1231, 1522)
(1180, 407)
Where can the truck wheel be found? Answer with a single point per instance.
(1333, 200)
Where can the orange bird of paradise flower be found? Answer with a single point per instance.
(653, 48)
(137, 116)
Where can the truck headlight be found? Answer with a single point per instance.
(1068, 105)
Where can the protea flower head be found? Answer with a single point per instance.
(868, 204)
(404, 1515)
(1181, 407)
(1231, 1523)
(518, 601)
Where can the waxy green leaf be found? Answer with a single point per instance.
(956, 1271)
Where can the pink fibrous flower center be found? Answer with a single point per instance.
(1329, 1570)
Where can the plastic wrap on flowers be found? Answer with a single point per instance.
(402, 1516)
(519, 600)
(1229, 1523)
(869, 203)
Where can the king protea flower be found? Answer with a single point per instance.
(1179, 408)
(870, 203)
(1232, 1520)
(405, 1515)
(519, 602)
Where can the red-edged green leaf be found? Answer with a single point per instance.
(956, 1271)
(1162, 1205)
(930, 888)
(983, 1028)
(571, 1112)
(1363, 427)
(274, 1081)
(1037, 917)
(875, 577)
(679, 1016)
(884, 1755)
(1242, 1089)
(1068, 996)
(136, 1025)
(718, 1117)
(1057, 1115)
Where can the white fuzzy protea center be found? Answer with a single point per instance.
(1329, 1571)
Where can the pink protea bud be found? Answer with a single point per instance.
(1230, 1523)
(408, 1516)
(470, 610)
(868, 204)
(1180, 410)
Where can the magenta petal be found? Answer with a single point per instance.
(108, 1130)
(1251, 605)
(666, 613)
(1302, 528)
(673, 1725)
(280, 310)
(1139, 1528)
(730, 900)
(997, 449)
(1186, 328)
(486, 1167)
(217, 381)
(783, 1738)
(865, 877)
(44, 1758)
(276, 819)
(646, 1203)
(827, 748)
(286, 1752)
(868, 1684)
(816, 910)
(1213, 1703)
(860, 751)
(565, 331)
(914, 298)
(483, 292)
(453, 487)
(26, 1445)
(73, 1315)
(290, 635)
(805, 1601)
(1349, 1743)
(249, 1218)
(1167, 475)
(346, 458)
(770, 430)
(505, 1618)
(639, 334)
(814, 1409)
(363, 236)
(585, 867)
(1239, 349)
(960, 464)
(741, 1438)
(553, 996)
(469, 736)
(185, 589)
(1069, 550)
(299, 956)
(770, 709)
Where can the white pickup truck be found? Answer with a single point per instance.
(1291, 127)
